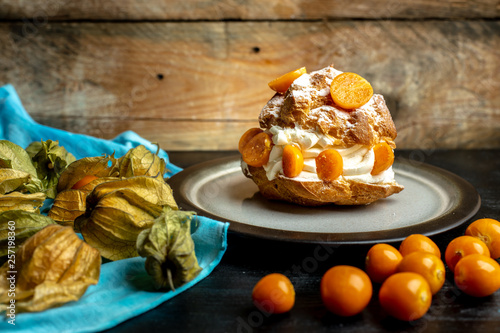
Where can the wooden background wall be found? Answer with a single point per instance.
(192, 75)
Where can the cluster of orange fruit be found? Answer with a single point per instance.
(255, 147)
(409, 276)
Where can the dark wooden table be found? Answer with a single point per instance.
(222, 301)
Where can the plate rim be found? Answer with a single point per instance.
(468, 205)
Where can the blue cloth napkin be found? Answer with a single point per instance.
(124, 289)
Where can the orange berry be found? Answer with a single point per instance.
(405, 296)
(256, 151)
(247, 136)
(293, 161)
(350, 91)
(84, 181)
(418, 242)
(329, 165)
(384, 157)
(426, 264)
(487, 230)
(463, 246)
(274, 293)
(282, 83)
(382, 261)
(345, 290)
(477, 275)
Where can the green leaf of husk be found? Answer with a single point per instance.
(50, 160)
(169, 250)
(17, 200)
(21, 225)
(15, 157)
(11, 180)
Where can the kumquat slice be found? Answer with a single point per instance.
(257, 150)
(293, 161)
(282, 83)
(384, 158)
(247, 136)
(329, 165)
(350, 91)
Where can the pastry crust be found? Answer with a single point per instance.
(318, 193)
(308, 104)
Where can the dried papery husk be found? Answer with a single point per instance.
(11, 180)
(17, 200)
(13, 156)
(169, 250)
(101, 166)
(22, 224)
(88, 188)
(139, 161)
(152, 189)
(53, 267)
(113, 224)
(69, 204)
(117, 211)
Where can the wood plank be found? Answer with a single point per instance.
(42, 10)
(156, 70)
(437, 76)
(171, 135)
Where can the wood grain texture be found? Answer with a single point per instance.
(41, 10)
(172, 135)
(199, 85)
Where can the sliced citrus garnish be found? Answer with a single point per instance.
(256, 151)
(282, 83)
(247, 136)
(292, 160)
(329, 165)
(350, 91)
(384, 158)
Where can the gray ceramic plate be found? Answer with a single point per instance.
(434, 200)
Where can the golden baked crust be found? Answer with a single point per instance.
(317, 193)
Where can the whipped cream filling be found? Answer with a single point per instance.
(358, 160)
